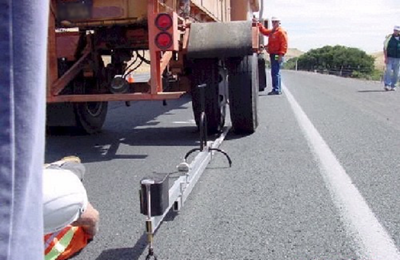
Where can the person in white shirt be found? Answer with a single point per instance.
(391, 50)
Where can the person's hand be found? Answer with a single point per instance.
(255, 20)
(89, 220)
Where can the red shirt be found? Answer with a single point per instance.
(277, 40)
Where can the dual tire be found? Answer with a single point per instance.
(243, 93)
(243, 86)
(207, 71)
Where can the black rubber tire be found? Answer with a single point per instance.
(85, 117)
(205, 71)
(80, 118)
(90, 116)
(243, 94)
(261, 72)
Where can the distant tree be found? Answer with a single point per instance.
(338, 60)
(290, 64)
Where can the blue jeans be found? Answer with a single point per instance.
(275, 73)
(392, 72)
(23, 45)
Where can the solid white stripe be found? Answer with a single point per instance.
(359, 220)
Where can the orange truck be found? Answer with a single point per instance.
(95, 48)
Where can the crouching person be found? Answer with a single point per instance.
(70, 221)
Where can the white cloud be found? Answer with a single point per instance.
(353, 23)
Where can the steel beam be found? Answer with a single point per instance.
(183, 186)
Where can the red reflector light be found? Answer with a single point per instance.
(163, 21)
(163, 40)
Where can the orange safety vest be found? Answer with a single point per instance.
(65, 243)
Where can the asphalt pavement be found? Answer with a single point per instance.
(276, 201)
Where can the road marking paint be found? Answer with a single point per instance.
(371, 237)
(189, 122)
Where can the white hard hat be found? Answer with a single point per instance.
(397, 28)
(64, 199)
(274, 18)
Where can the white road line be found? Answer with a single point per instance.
(189, 122)
(371, 237)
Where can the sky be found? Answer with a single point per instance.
(313, 24)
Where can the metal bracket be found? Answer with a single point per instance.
(185, 183)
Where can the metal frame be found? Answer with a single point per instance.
(183, 186)
(159, 60)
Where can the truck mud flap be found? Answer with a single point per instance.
(220, 40)
(205, 71)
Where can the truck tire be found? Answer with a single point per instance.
(84, 117)
(206, 71)
(243, 93)
(89, 116)
(262, 72)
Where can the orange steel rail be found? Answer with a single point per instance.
(115, 97)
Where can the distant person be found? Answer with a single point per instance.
(391, 50)
(70, 221)
(277, 48)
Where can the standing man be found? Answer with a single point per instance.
(391, 50)
(277, 48)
